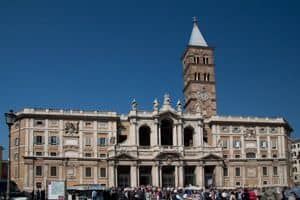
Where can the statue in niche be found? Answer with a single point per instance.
(71, 127)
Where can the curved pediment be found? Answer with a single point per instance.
(167, 156)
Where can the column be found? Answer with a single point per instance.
(174, 135)
(133, 176)
(111, 175)
(176, 176)
(199, 176)
(258, 146)
(160, 176)
(158, 141)
(231, 147)
(180, 175)
(259, 176)
(219, 176)
(214, 136)
(200, 128)
(154, 133)
(95, 174)
(179, 134)
(133, 136)
(155, 178)
(80, 174)
(61, 141)
(269, 147)
(243, 147)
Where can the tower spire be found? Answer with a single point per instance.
(197, 38)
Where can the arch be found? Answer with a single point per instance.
(188, 134)
(144, 135)
(166, 132)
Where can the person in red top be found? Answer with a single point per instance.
(252, 195)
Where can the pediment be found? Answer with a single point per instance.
(124, 156)
(168, 114)
(211, 157)
(167, 156)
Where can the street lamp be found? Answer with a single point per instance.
(10, 119)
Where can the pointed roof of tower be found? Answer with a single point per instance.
(197, 38)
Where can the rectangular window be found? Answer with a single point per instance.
(237, 144)
(274, 144)
(265, 182)
(238, 183)
(236, 129)
(102, 155)
(53, 171)
(225, 144)
(101, 141)
(38, 140)
(88, 172)
(53, 154)
(237, 156)
(275, 171)
(237, 171)
(38, 170)
(16, 156)
(39, 122)
(102, 172)
(16, 141)
(53, 140)
(88, 155)
(225, 171)
(38, 153)
(87, 141)
(265, 171)
(263, 144)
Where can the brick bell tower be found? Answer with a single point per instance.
(199, 75)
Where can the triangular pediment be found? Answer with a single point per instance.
(168, 114)
(211, 157)
(124, 156)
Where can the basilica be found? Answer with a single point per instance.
(187, 144)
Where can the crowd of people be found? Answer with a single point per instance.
(155, 193)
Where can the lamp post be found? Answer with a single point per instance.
(10, 119)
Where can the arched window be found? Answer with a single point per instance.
(196, 76)
(144, 135)
(294, 169)
(207, 77)
(188, 136)
(166, 132)
(250, 155)
(205, 60)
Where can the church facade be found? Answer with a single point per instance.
(168, 146)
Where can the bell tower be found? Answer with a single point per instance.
(199, 75)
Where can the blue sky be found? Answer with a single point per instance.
(99, 55)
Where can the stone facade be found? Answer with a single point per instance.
(296, 161)
(167, 146)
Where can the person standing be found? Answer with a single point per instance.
(94, 195)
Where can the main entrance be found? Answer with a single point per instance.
(123, 176)
(209, 173)
(168, 176)
(145, 175)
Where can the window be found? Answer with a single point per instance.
(237, 144)
(238, 183)
(53, 171)
(274, 144)
(250, 155)
(263, 144)
(39, 122)
(224, 129)
(225, 144)
(88, 172)
(237, 156)
(275, 171)
(265, 171)
(53, 140)
(102, 172)
(38, 153)
(38, 171)
(16, 156)
(225, 156)
(263, 155)
(236, 129)
(205, 60)
(294, 169)
(265, 182)
(197, 60)
(88, 154)
(38, 140)
(53, 154)
(101, 141)
(262, 130)
(102, 155)
(144, 135)
(273, 130)
(16, 141)
(274, 155)
(237, 171)
(225, 171)
(87, 141)
(88, 124)
(298, 145)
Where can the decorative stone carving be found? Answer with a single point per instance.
(250, 133)
(178, 106)
(133, 104)
(167, 100)
(155, 104)
(71, 127)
